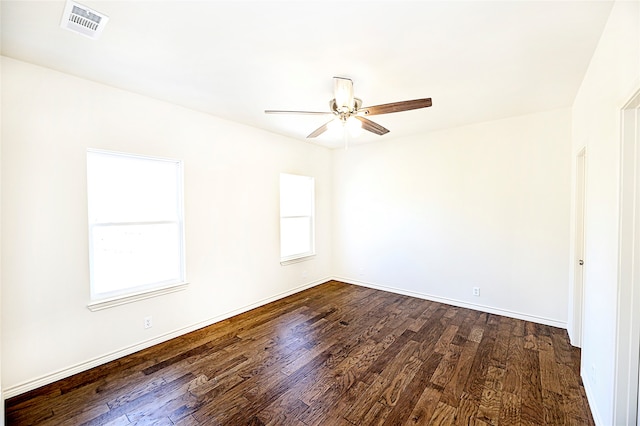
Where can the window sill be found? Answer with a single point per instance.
(99, 305)
(297, 260)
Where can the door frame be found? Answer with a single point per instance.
(626, 379)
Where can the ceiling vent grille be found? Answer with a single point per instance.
(83, 20)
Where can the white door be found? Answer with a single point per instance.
(578, 261)
(578, 275)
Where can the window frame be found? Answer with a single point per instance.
(103, 300)
(300, 256)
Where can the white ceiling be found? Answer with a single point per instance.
(477, 60)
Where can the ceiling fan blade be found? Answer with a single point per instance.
(320, 130)
(371, 126)
(343, 92)
(275, 111)
(395, 107)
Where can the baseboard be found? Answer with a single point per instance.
(29, 385)
(597, 419)
(458, 303)
(572, 339)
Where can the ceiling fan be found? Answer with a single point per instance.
(345, 106)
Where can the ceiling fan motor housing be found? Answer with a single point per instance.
(345, 112)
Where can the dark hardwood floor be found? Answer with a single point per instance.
(336, 354)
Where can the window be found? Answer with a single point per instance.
(136, 232)
(296, 217)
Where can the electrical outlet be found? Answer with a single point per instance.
(476, 291)
(594, 377)
(148, 322)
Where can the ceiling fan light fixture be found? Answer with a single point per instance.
(338, 127)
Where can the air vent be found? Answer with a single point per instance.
(83, 20)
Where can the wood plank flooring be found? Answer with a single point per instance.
(336, 354)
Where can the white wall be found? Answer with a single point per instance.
(612, 78)
(485, 205)
(231, 207)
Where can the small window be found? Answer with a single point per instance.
(136, 232)
(296, 217)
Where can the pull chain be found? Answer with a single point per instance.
(346, 137)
